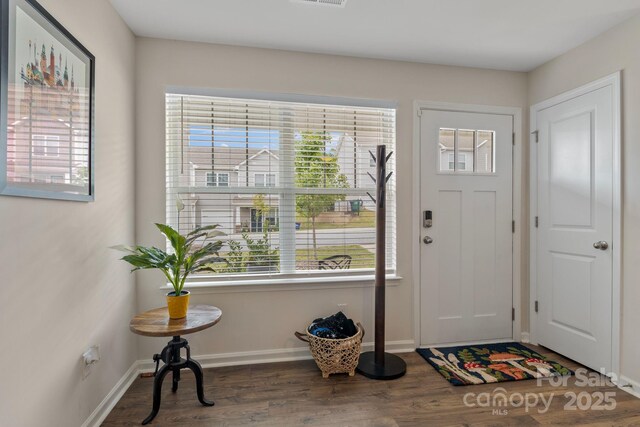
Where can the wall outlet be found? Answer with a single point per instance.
(89, 359)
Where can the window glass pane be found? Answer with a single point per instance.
(462, 161)
(485, 151)
(286, 182)
(250, 224)
(317, 161)
(211, 179)
(344, 234)
(38, 147)
(465, 150)
(53, 148)
(466, 144)
(446, 148)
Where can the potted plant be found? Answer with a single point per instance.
(186, 258)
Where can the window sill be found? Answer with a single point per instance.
(289, 284)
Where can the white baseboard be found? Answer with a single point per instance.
(406, 346)
(630, 386)
(457, 344)
(100, 413)
(524, 337)
(241, 358)
(271, 356)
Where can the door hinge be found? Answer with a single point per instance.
(536, 306)
(513, 138)
(513, 314)
(535, 134)
(536, 222)
(513, 226)
(419, 112)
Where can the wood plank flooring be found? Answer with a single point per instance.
(295, 394)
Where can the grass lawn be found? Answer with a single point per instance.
(361, 257)
(366, 219)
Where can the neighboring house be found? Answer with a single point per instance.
(230, 167)
(259, 170)
(238, 167)
(355, 161)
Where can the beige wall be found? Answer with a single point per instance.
(63, 289)
(617, 49)
(266, 320)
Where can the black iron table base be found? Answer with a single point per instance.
(173, 362)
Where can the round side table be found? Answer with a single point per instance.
(156, 323)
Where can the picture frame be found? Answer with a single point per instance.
(47, 113)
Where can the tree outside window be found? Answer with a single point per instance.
(316, 168)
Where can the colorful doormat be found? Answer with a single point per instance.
(490, 363)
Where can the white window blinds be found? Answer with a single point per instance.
(294, 201)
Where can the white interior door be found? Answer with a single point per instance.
(575, 227)
(466, 270)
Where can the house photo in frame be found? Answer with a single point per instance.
(46, 107)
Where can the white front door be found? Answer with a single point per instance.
(466, 270)
(575, 153)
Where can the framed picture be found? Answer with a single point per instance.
(46, 106)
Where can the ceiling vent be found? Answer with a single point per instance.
(330, 3)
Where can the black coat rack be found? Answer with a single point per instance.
(377, 364)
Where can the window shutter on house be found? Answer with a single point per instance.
(293, 199)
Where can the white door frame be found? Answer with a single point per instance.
(516, 114)
(614, 81)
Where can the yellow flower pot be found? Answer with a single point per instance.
(178, 305)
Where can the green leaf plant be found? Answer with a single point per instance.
(192, 253)
(260, 252)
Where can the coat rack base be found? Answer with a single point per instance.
(394, 367)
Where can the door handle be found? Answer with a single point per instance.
(602, 245)
(427, 240)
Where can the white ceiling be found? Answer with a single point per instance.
(500, 34)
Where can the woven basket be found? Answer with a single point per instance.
(335, 356)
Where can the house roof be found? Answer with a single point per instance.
(223, 158)
(263, 151)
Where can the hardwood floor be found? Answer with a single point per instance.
(294, 393)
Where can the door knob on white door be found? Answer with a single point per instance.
(602, 245)
(427, 240)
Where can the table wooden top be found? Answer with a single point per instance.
(156, 322)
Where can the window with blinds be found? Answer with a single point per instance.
(287, 183)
